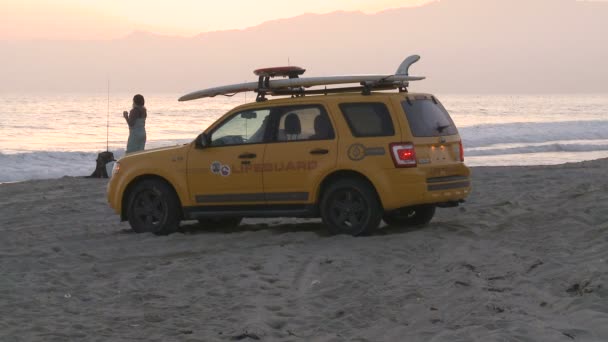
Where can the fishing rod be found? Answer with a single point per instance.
(108, 121)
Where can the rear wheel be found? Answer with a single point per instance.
(351, 206)
(410, 216)
(228, 222)
(153, 208)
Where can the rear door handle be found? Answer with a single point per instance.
(319, 151)
(247, 156)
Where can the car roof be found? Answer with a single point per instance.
(355, 96)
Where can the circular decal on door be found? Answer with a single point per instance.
(216, 167)
(225, 170)
(356, 152)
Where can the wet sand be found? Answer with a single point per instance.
(525, 259)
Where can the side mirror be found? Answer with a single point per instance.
(202, 141)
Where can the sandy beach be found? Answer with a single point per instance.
(525, 259)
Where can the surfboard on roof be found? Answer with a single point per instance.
(292, 81)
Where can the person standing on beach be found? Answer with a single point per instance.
(136, 119)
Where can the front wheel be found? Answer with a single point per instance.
(351, 206)
(410, 216)
(153, 208)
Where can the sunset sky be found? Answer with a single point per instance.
(107, 19)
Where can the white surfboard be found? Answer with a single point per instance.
(401, 78)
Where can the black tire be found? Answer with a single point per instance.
(410, 216)
(220, 223)
(153, 208)
(351, 206)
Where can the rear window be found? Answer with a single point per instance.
(428, 118)
(368, 119)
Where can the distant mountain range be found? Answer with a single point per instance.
(467, 46)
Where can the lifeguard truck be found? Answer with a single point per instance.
(353, 150)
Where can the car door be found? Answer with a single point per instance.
(303, 150)
(223, 173)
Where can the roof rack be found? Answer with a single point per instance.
(364, 89)
(265, 74)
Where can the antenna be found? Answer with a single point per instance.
(108, 120)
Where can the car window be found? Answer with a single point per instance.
(303, 123)
(428, 118)
(248, 127)
(368, 119)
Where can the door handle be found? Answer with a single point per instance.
(319, 151)
(247, 156)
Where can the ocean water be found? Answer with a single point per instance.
(50, 136)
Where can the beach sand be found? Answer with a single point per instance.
(525, 259)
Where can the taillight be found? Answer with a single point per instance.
(404, 154)
(461, 152)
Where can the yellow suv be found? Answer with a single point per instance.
(352, 159)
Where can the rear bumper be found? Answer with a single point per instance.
(448, 192)
(447, 183)
(414, 188)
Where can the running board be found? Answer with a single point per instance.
(302, 211)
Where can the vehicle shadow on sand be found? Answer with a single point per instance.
(314, 227)
(197, 228)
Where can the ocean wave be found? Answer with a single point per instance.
(533, 132)
(482, 141)
(18, 166)
(45, 165)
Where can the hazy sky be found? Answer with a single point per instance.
(474, 46)
(106, 19)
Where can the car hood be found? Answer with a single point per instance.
(155, 152)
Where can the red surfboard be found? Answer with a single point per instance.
(284, 71)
